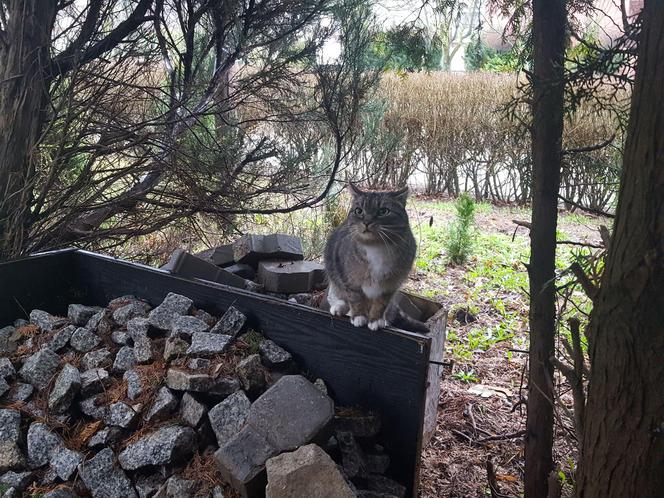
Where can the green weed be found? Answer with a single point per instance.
(461, 234)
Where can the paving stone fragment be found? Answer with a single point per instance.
(45, 321)
(177, 487)
(205, 316)
(352, 456)
(218, 256)
(290, 277)
(61, 338)
(242, 270)
(360, 425)
(11, 457)
(120, 337)
(192, 411)
(308, 471)
(143, 351)
(385, 485)
(167, 445)
(241, 461)
(198, 364)
(19, 392)
(67, 385)
(42, 443)
(134, 384)
(320, 385)
(164, 404)
(251, 249)
(229, 416)
(95, 320)
(172, 306)
(40, 368)
(148, 485)
(6, 368)
(100, 358)
(120, 414)
(274, 356)
(206, 344)
(174, 347)
(84, 340)
(124, 359)
(94, 381)
(9, 339)
(251, 373)
(61, 492)
(185, 326)
(104, 479)
(4, 387)
(222, 387)
(79, 314)
(105, 437)
(291, 413)
(138, 327)
(92, 408)
(18, 480)
(135, 309)
(10, 425)
(232, 323)
(64, 462)
(190, 266)
(180, 380)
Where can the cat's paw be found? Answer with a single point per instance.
(338, 309)
(359, 321)
(377, 324)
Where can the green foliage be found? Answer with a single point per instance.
(479, 56)
(467, 377)
(403, 48)
(461, 235)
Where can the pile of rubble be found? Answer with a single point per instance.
(271, 264)
(135, 401)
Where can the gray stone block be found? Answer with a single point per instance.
(291, 413)
(205, 344)
(229, 416)
(4, 387)
(177, 487)
(64, 462)
(42, 443)
(190, 266)
(84, 340)
(218, 256)
(79, 314)
(192, 411)
(172, 306)
(94, 381)
(180, 380)
(290, 277)
(18, 480)
(135, 309)
(10, 425)
(120, 337)
(231, 323)
(92, 408)
(251, 374)
(274, 356)
(242, 270)
(125, 359)
(241, 461)
(40, 368)
(185, 326)
(67, 385)
(164, 404)
(308, 471)
(168, 445)
(120, 414)
(143, 351)
(199, 364)
(250, 249)
(224, 386)
(134, 384)
(105, 437)
(19, 392)
(11, 457)
(61, 492)
(174, 347)
(138, 327)
(104, 479)
(148, 485)
(352, 456)
(9, 339)
(61, 338)
(45, 321)
(100, 358)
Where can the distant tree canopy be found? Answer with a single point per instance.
(404, 48)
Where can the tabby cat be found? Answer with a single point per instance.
(369, 255)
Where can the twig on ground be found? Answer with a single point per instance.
(502, 437)
(491, 477)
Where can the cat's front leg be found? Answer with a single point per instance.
(377, 313)
(338, 307)
(358, 311)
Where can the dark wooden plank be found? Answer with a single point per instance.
(437, 325)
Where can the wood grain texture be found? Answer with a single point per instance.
(385, 371)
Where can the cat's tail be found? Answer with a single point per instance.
(401, 320)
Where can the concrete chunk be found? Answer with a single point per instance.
(290, 277)
(251, 249)
(308, 471)
(190, 266)
(291, 413)
(218, 256)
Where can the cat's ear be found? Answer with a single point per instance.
(400, 195)
(355, 190)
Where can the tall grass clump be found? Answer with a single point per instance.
(461, 234)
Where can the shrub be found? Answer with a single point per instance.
(461, 234)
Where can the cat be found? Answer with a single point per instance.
(369, 256)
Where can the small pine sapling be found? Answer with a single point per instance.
(461, 234)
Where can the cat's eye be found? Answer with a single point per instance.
(383, 211)
(358, 210)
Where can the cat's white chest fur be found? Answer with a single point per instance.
(379, 268)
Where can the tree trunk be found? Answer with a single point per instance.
(623, 447)
(23, 96)
(546, 132)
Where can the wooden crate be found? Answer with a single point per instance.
(387, 371)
